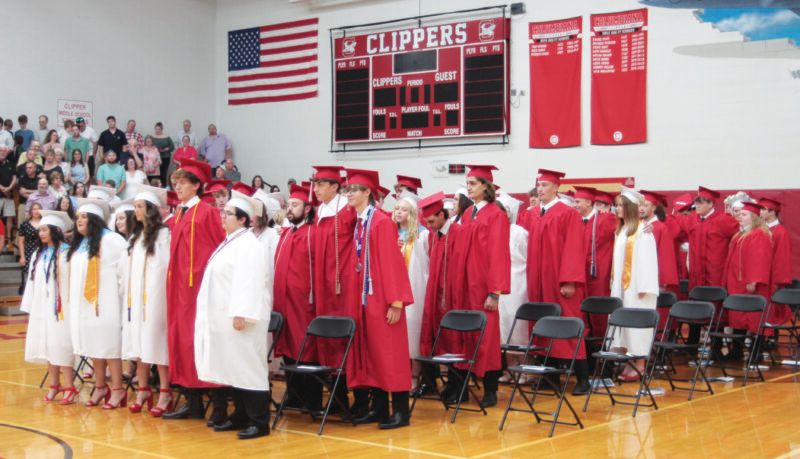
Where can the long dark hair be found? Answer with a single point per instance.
(148, 229)
(57, 236)
(96, 227)
(130, 222)
(463, 203)
(70, 210)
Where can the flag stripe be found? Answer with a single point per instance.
(288, 55)
(268, 75)
(295, 60)
(291, 36)
(306, 91)
(283, 44)
(269, 87)
(269, 52)
(244, 84)
(278, 33)
(258, 100)
(289, 25)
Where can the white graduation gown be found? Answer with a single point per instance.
(234, 285)
(644, 279)
(418, 276)
(48, 337)
(269, 242)
(509, 304)
(98, 334)
(144, 326)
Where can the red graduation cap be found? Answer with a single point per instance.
(172, 198)
(705, 193)
(208, 198)
(328, 173)
(432, 204)
(200, 169)
(770, 204)
(546, 175)
(384, 191)
(300, 192)
(306, 183)
(481, 171)
(653, 197)
(569, 193)
(217, 185)
(412, 183)
(604, 196)
(363, 177)
(753, 207)
(243, 188)
(585, 192)
(682, 202)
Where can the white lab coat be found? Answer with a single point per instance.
(418, 277)
(98, 334)
(234, 285)
(144, 328)
(48, 337)
(518, 242)
(644, 279)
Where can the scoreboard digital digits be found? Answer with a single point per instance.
(440, 81)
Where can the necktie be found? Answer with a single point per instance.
(474, 211)
(183, 210)
(585, 220)
(440, 234)
(542, 214)
(360, 225)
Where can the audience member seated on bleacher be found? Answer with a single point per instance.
(111, 170)
(76, 141)
(78, 170)
(8, 182)
(186, 131)
(28, 183)
(216, 147)
(42, 196)
(151, 158)
(258, 182)
(132, 175)
(185, 151)
(51, 164)
(57, 187)
(27, 135)
(31, 154)
(231, 171)
(42, 132)
(51, 140)
(219, 173)
(6, 138)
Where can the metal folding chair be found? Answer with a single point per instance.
(321, 327)
(528, 312)
(592, 306)
(635, 318)
(791, 298)
(550, 329)
(275, 328)
(693, 312)
(463, 322)
(748, 304)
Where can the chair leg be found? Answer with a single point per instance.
(331, 399)
(510, 400)
(464, 383)
(416, 395)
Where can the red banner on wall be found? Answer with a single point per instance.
(555, 65)
(619, 77)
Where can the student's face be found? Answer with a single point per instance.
(82, 223)
(44, 234)
(229, 220)
(619, 213)
(435, 222)
(295, 211)
(583, 206)
(121, 222)
(139, 210)
(401, 211)
(357, 196)
(476, 189)
(220, 198)
(703, 206)
(325, 191)
(185, 189)
(646, 210)
(746, 218)
(546, 190)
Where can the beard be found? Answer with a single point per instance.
(294, 219)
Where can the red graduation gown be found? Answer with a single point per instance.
(667, 267)
(679, 236)
(437, 299)
(708, 246)
(484, 244)
(781, 274)
(379, 357)
(330, 233)
(604, 226)
(556, 255)
(749, 259)
(181, 296)
(294, 262)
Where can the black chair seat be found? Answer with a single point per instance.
(617, 357)
(307, 369)
(437, 360)
(728, 335)
(782, 327)
(520, 348)
(673, 346)
(537, 370)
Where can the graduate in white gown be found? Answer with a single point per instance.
(144, 323)
(509, 304)
(96, 276)
(48, 337)
(634, 275)
(233, 311)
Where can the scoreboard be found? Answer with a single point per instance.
(439, 81)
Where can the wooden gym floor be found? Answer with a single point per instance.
(748, 422)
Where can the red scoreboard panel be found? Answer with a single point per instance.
(440, 81)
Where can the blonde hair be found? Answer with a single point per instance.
(757, 223)
(413, 220)
(279, 216)
(630, 216)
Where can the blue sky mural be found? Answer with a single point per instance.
(755, 23)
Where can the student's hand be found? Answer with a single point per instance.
(393, 314)
(490, 304)
(648, 228)
(568, 289)
(751, 288)
(238, 323)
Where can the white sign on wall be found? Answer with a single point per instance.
(71, 109)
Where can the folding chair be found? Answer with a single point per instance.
(463, 322)
(275, 327)
(664, 302)
(627, 318)
(713, 295)
(321, 327)
(683, 286)
(694, 312)
(791, 298)
(84, 361)
(528, 312)
(750, 304)
(593, 306)
(551, 329)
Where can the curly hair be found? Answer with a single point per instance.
(95, 234)
(148, 229)
(57, 238)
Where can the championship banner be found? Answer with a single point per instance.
(555, 66)
(619, 77)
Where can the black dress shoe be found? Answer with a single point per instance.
(217, 417)
(252, 432)
(582, 388)
(396, 420)
(184, 412)
(370, 417)
(489, 399)
(228, 426)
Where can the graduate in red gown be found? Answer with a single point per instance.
(379, 358)
(483, 245)
(556, 265)
(599, 231)
(406, 183)
(748, 271)
(292, 295)
(529, 210)
(196, 231)
(334, 265)
(781, 274)
(681, 206)
(653, 205)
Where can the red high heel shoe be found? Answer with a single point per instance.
(123, 402)
(137, 407)
(106, 395)
(158, 411)
(57, 388)
(70, 394)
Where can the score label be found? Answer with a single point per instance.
(447, 80)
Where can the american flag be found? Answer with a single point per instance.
(273, 63)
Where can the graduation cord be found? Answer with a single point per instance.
(59, 305)
(336, 244)
(310, 268)
(444, 289)
(593, 264)
(143, 287)
(362, 241)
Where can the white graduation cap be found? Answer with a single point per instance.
(153, 195)
(449, 204)
(566, 199)
(410, 197)
(101, 192)
(461, 191)
(252, 207)
(56, 218)
(271, 203)
(511, 204)
(92, 206)
(632, 195)
(122, 206)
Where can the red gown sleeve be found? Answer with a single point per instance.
(574, 253)
(391, 266)
(499, 259)
(759, 258)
